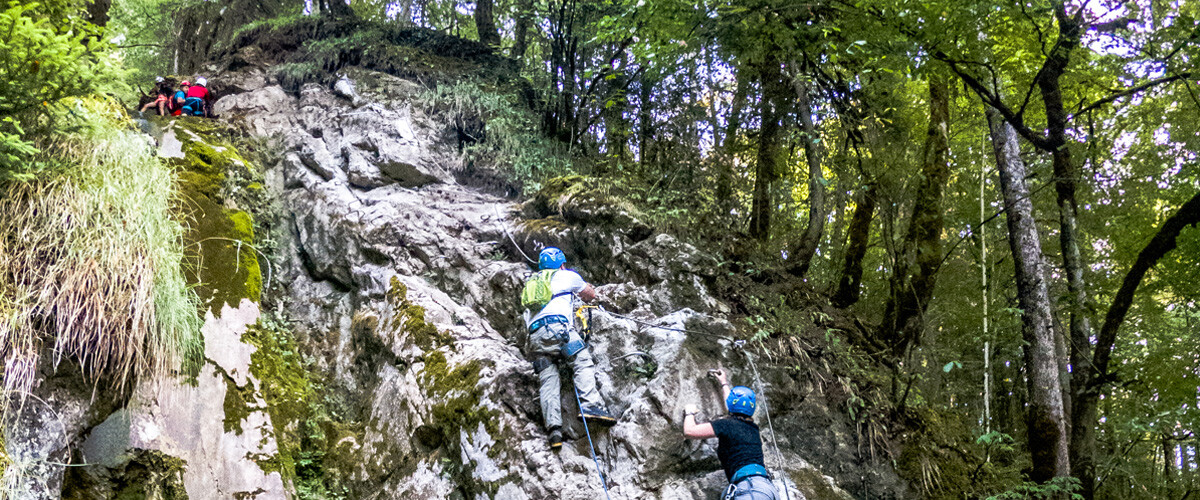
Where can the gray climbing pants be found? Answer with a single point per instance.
(752, 488)
(545, 349)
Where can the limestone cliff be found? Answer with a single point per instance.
(377, 354)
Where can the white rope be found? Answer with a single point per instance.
(787, 491)
(501, 219)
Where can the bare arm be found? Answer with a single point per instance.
(588, 294)
(693, 430)
(719, 374)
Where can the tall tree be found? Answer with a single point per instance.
(767, 168)
(485, 24)
(802, 253)
(858, 237)
(920, 254)
(524, 19)
(1046, 417)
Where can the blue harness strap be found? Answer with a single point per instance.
(749, 471)
(548, 320)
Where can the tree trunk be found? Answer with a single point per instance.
(485, 24)
(921, 252)
(521, 29)
(1046, 416)
(800, 257)
(645, 122)
(766, 169)
(98, 12)
(849, 286)
(616, 126)
(729, 143)
(337, 8)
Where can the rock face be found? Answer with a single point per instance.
(213, 450)
(403, 279)
(394, 366)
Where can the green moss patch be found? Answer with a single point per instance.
(221, 258)
(408, 320)
(587, 201)
(457, 408)
(312, 452)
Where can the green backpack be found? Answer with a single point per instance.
(537, 292)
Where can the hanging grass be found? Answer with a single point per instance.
(90, 260)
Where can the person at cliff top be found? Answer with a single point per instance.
(740, 445)
(551, 292)
(180, 97)
(163, 99)
(197, 97)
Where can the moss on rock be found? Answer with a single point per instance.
(221, 260)
(313, 449)
(409, 319)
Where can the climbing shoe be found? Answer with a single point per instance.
(598, 416)
(556, 438)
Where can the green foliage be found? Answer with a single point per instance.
(47, 56)
(501, 132)
(1059, 487)
(100, 233)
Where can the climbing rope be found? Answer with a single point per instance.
(591, 445)
(736, 342)
(787, 490)
(510, 236)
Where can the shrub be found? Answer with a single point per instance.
(47, 53)
(499, 132)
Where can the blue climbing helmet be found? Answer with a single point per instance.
(551, 258)
(741, 400)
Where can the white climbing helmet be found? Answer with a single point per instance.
(203, 82)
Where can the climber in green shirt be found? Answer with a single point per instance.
(549, 298)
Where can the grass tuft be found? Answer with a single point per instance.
(499, 132)
(90, 260)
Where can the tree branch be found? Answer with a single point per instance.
(1131, 91)
(1111, 26)
(993, 99)
(1163, 242)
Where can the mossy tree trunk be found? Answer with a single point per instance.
(524, 20)
(803, 251)
(850, 284)
(645, 122)
(730, 144)
(920, 254)
(485, 24)
(766, 170)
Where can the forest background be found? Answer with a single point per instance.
(1004, 195)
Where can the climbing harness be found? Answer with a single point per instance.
(746, 472)
(591, 445)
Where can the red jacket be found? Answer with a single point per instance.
(197, 91)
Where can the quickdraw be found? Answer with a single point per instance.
(585, 321)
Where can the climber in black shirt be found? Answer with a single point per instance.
(739, 445)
